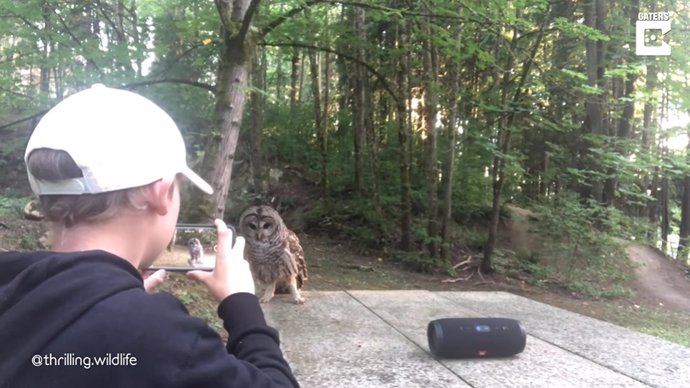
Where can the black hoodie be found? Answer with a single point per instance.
(71, 311)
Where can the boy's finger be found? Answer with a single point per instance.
(200, 276)
(221, 228)
(239, 246)
(223, 233)
(154, 280)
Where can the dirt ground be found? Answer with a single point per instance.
(660, 281)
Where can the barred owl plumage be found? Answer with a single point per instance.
(274, 253)
(196, 251)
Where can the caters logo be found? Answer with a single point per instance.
(650, 29)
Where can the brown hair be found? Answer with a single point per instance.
(56, 165)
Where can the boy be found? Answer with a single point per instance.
(107, 165)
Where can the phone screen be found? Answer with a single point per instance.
(193, 247)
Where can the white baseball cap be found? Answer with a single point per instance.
(119, 139)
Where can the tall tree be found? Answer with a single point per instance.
(684, 232)
(594, 12)
(360, 109)
(505, 134)
(453, 83)
(320, 124)
(258, 106)
(233, 69)
(429, 116)
(402, 31)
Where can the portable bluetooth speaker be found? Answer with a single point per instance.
(475, 337)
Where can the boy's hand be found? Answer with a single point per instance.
(153, 280)
(231, 273)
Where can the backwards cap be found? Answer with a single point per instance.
(119, 139)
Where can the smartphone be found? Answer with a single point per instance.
(193, 247)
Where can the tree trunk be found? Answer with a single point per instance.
(504, 137)
(319, 122)
(375, 145)
(44, 81)
(322, 135)
(233, 69)
(624, 128)
(258, 104)
(294, 79)
(665, 192)
(359, 102)
(300, 86)
(594, 121)
(92, 34)
(431, 155)
(664, 208)
(683, 242)
(649, 124)
(684, 220)
(563, 46)
(449, 167)
(280, 77)
(119, 20)
(404, 144)
(135, 31)
(498, 166)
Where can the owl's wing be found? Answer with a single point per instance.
(298, 253)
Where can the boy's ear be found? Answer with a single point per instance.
(160, 195)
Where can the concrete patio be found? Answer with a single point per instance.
(378, 339)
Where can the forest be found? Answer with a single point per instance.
(406, 126)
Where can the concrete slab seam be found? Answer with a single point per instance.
(408, 338)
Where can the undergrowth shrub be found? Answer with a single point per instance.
(357, 220)
(581, 246)
(12, 205)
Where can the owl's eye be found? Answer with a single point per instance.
(252, 226)
(267, 225)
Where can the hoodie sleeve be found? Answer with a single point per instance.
(253, 357)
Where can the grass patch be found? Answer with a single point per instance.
(12, 206)
(668, 325)
(196, 298)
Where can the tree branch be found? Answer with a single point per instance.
(373, 71)
(247, 20)
(104, 14)
(32, 117)
(75, 39)
(282, 18)
(175, 60)
(275, 23)
(402, 12)
(530, 60)
(130, 86)
(135, 85)
(220, 6)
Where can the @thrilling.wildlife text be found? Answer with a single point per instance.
(70, 359)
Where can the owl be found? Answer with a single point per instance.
(273, 251)
(196, 251)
